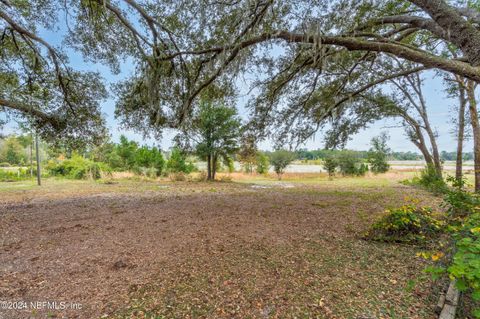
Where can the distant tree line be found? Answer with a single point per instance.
(321, 154)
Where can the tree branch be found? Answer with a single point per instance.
(353, 44)
(377, 82)
(28, 110)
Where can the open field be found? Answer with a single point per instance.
(251, 248)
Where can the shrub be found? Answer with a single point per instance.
(465, 267)
(280, 159)
(230, 164)
(5, 164)
(378, 154)
(227, 165)
(464, 211)
(407, 224)
(263, 164)
(149, 159)
(430, 180)
(14, 175)
(350, 164)
(458, 202)
(362, 169)
(78, 167)
(330, 164)
(177, 162)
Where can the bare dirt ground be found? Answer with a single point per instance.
(207, 250)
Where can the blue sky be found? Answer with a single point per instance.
(441, 111)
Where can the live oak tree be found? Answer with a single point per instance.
(312, 58)
(37, 85)
(406, 102)
(464, 89)
(182, 48)
(455, 87)
(474, 121)
(414, 112)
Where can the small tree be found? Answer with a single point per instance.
(350, 163)
(177, 162)
(280, 159)
(149, 158)
(263, 164)
(11, 151)
(216, 129)
(247, 155)
(126, 150)
(330, 164)
(378, 154)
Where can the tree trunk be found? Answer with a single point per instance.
(435, 153)
(461, 131)
(31, 156)
(424, 150)
(416, 134)
(209, 167)
(457, 30)
(39, 174)
(214, 167)
(416, 83)
(472, 106)
(418, 139)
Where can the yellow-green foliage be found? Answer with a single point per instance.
(77, 167)
(406, 224)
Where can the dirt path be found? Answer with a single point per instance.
(228, 252)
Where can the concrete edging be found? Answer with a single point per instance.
(447, 303)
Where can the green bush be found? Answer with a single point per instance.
(350, 164)
(263, 164)
(330, 164)
(280, 159)
(464, 225)
(177, 162)
(378, 154)
(150, 159)
(78, 167)
(230, 164)
(465, 267)
(458, 202)
(362, 169)
(430, 180)
(15, 175)
(5, 164)
(407, 224)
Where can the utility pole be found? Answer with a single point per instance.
(39, 181)
(31, 154)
